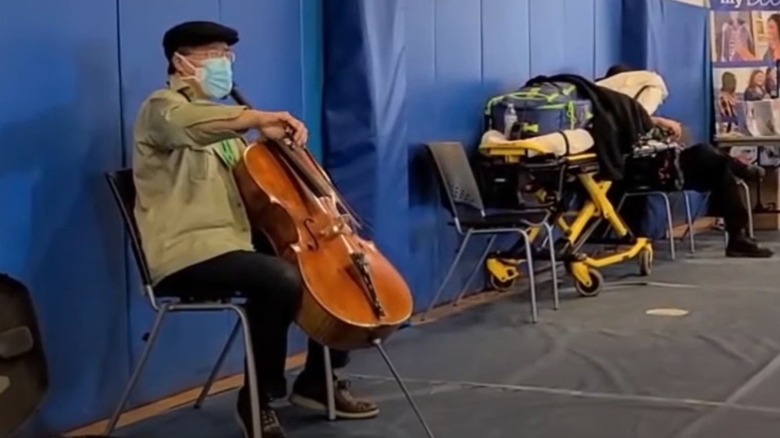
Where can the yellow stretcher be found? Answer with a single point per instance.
(551, 176)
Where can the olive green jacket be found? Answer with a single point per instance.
(188, 207)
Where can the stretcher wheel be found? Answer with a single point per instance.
(596, 282)
(501, 286)
(645, 262)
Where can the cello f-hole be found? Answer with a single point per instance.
(312, 246)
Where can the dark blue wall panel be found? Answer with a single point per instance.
(607, 47)
(364, 117)
(506, 55)
(268, 63)
(59, 130)
(549, 36)
(311, 58)
(579, 31)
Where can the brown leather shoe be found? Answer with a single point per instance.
(268, 419)
(314, 397)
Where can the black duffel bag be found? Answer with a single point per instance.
(654, 164)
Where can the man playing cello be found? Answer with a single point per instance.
(193, 224)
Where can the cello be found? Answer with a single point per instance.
(353, 296)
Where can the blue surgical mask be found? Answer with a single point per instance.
(217, 77)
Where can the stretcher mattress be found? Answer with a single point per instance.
(647, 87)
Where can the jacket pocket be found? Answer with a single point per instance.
(200, 163)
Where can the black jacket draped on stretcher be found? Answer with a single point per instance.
(618, 122)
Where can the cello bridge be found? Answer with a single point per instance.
(339, 227)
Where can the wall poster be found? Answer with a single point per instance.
(745, 42)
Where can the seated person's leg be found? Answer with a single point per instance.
(273, 296)
(707, 170)
(273, 290)
(309, 389)
(745, 172)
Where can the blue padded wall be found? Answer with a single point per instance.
(69, 102)
(59, 232)
(363, 116)
(456, 54)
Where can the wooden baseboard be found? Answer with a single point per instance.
(188, 397)
(234, 382)
(700, 224)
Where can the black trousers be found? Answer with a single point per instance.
(707, 169)
(273, 290)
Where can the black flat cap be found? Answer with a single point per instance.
(197, 33)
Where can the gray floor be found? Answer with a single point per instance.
(598, 368)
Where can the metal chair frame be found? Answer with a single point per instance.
(669, 218)
(748, 200)
(122, 188)
(473, 201)
(689, 215)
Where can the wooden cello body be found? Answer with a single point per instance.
(353, 296)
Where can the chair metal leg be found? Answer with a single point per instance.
(531, 275)
(669, 223)
(475, 270)
(749, 203)
(112, 423)
(329, 390)
(553, 266)
(689, 220)
(218, 366)
(251, 372)
(378, 344)
(450, 271)
(695, 213)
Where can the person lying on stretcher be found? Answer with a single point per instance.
(706, 169)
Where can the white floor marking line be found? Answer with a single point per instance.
(574, 393)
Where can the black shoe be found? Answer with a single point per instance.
(746, 248)
(268, 419)
(314, 396)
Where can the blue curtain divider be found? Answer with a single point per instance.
(364, 116)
